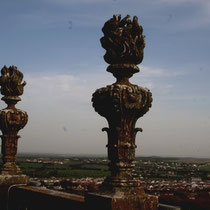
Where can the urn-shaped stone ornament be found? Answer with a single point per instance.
(11, 119)
(122, 103)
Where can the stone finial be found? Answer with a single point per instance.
(122, 104)
(124, 43)
(10, 82)
(11, 119)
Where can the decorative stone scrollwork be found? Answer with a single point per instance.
(11, 119)
(10, 82)
(123, 40)
(118, 99)
(122, 103)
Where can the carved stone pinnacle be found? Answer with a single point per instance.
(124, 43)
(11, 119)
(122, 103)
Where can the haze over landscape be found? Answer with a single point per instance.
(56, 44)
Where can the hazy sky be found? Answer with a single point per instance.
(55, 43)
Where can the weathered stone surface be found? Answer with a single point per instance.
(11, 119)
(8, 180)
(36, 198)
(11, 82)
(122, 104)
(123, 40)
(6, 183)
(136, 200)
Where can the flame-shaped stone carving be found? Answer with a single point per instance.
(123, 41)
(122, 103)
(11, 119)
(10, 82)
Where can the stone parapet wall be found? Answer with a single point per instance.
(37, 198)
(19, 197)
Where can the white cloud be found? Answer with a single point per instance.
(153, 78)
(150, 72)
(78, 88)
(55, 102)
(74, 92)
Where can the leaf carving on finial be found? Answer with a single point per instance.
(123, 40)
(11, 81)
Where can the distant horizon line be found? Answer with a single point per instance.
(105, 155)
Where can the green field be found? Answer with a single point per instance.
(76, 169)
(205, 167)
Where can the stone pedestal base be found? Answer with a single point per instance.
(10, 168)
(128, 200)
(6, 182)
